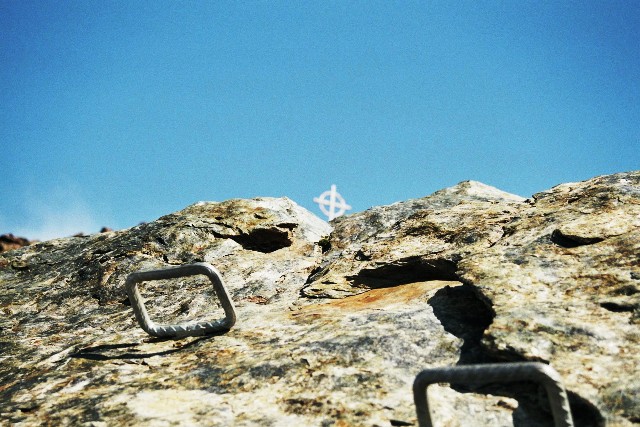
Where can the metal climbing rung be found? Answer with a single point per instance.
(494, 372)
(182, 329)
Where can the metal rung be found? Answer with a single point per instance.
(494, 372)
(182, 329)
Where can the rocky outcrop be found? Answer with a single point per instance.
(335, 322)
(9, 242)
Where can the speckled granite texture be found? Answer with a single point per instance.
(335, 321)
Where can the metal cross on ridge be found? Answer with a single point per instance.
(334, 200)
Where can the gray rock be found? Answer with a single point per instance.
(334, 325)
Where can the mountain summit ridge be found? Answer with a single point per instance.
(335, 320)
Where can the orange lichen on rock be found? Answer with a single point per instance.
(375, 299)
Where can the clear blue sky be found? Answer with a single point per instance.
(118, 112)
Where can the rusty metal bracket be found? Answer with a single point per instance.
(495, 372)
(182, 329)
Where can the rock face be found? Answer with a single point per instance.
(334, 322)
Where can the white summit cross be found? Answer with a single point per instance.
(334, 201)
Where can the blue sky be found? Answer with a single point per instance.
(118, 112)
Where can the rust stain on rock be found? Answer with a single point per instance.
(376, 299)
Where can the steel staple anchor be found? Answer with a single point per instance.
(495, 372)
(182, 329)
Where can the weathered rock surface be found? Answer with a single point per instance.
(334, 325)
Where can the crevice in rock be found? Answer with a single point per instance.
(317, 269)
(567, 241)
(408, 270)
(325, 244)
(464, 312)
(361, 256)
(618, 307)
(400, 423)
(288, 225)
(264, 239)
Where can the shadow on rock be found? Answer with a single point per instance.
(466, 314)
(114, 351)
